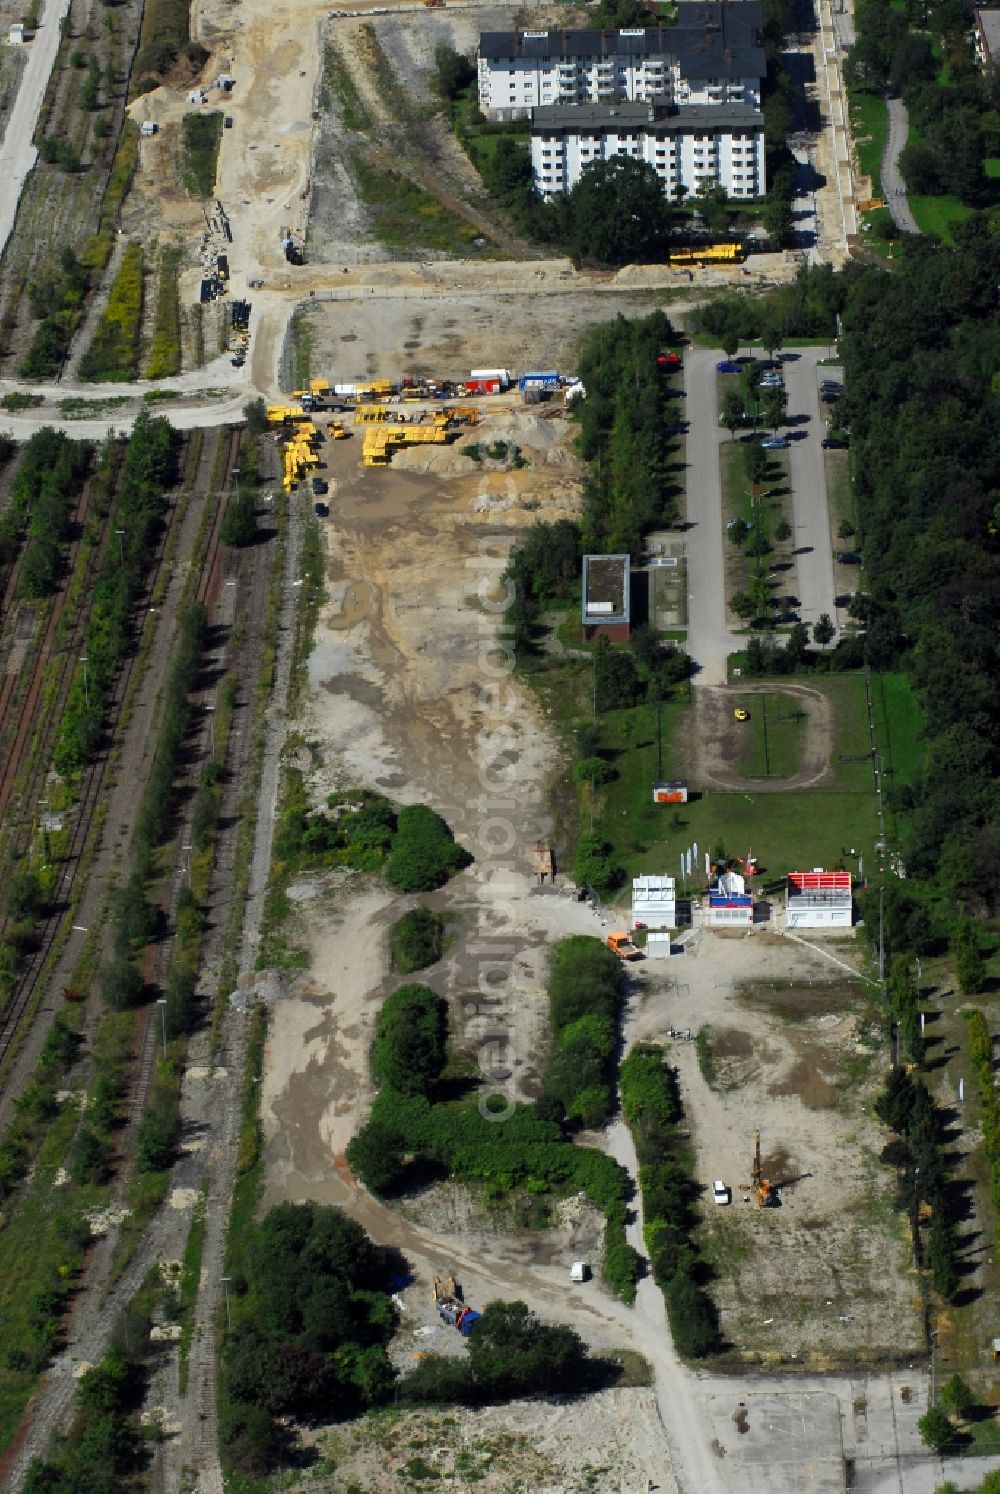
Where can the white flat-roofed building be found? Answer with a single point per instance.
(654, 902)
(688, 148)
(711, 55)
(818, 900)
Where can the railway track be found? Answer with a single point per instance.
(91, 785)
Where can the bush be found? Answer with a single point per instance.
(410, 1040)
(621, 1270)
(935, 1429)
(424, 852)
(416, 940)
(594, 866)
(376, 1156)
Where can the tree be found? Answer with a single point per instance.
(121, 985)
(755, 461)
(416, 940)
(593, 770)
(845, 529)
(738, 531)
(424, 852)
(824, 630)
(970, 967)
(453, 72)
(593, 866)
(513, 1352)
(783, 531)
(24, 899)
(957, 1397)
(255, 415)
(617, 213)
(410, 1037)
(732, 411)
(935, 1429)
(775, 408)
(772, 328)
(742, 605)
(376, 1156)
(615, 681)
(239, 527)
(89, 1160)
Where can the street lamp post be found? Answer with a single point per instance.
(161, 1002)
(229, 1316)
(121, 558)
(86, 683)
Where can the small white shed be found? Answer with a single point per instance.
(148, 127)
(16, 35)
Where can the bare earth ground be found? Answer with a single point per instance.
(826, 1276)
(402, 653)
(447, 336)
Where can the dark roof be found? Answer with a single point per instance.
(660, 120)
(714, 39)
(606, 588)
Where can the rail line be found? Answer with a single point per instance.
(90, 791)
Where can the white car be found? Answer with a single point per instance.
(720, 1193)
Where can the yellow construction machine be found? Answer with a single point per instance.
(764, 1192)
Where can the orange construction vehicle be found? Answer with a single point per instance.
(623, 947)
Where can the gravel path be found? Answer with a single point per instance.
(893, 184)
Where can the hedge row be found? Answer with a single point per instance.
(652, 1107)
(584, 994)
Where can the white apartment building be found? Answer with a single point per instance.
(711, 56)
(690, 147)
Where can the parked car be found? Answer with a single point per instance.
(834, 443)
(720, 1193)
(831, 384)
(321, 510)
(726, 366)
(775, 443)
(771, 381)
(848, 557)
(320, 485)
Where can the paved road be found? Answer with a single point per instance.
(893, 185)
(709, 639)
(19, 154)
(813, 541)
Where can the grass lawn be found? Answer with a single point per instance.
(774, 736)
(839, 492)
(787, 831)
(992, 166)
(936, 215)
(898, 727)
(869, 123)
(404, 216)
(200, 136)
(775, 505)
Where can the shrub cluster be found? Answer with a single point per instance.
(42, 498)
(416, 940)
(411, 1034)
(584, 997)
(56, 298)
(652, 1107)
(312, 1318)
(424, 852)
(925, 1183)
(165, 37)
(104, 1448)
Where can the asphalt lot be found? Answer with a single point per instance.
(709, 638)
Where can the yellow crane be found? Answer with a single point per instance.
(763, 1191)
